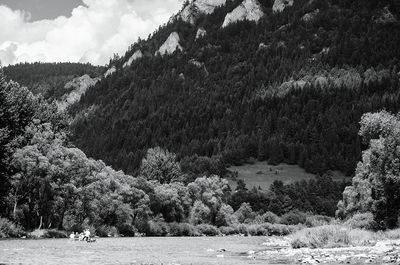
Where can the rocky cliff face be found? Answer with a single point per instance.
(309, 17)
(79, 87)
(248, 9)
(280, 5)
(138, 54)
(170, 45)
(199, 7)
(110, 71)
(201, 32)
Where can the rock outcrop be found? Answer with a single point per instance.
(201, 33)
(110, 71)
(386, 17)
(248, 9)
(280, 5)
(199, 65)
(138, 54)
(263, 46)
(197, 8)
(170, 45)
(79, 87)
(310, 16)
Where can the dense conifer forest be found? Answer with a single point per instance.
(243, 101)
(49, 79)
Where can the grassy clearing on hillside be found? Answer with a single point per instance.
(260, 174)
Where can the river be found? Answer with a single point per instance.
(140, 250)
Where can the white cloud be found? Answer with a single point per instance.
(93, 33)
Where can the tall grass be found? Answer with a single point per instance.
(331, 236)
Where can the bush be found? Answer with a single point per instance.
(257, 230)
(199, 213)
(330, 236)
(54, 233)
(182, 229)
(270, 217)
(280, 229)
(158, 228)
(10, 229)
(228, 230)
(127, 230)
(362, 221)
(392, 234)
(106, 231)
(71, 224)
(207, 230)
(318, 220)
(242, 229)
(245, 214)
(294, 218)
(323, 236)
(225, 216)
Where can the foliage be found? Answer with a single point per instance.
(330, 236)
(199, 214)
(227, 230)
(10, 229)
(212, 192)
(294, 217)
(172, 201)
(268, 217)
(207, 230)
(160, 165)
(319, 196)
(158, 228)
(280, 229)
(362, 221)
(199, 166)
(226, 216)
(53, 233)
(318, 220)
(182, 229)
(245, 214)
(106, 231)
(376, 185)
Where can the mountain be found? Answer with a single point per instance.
(194, 9)
(283, 81)
(250, 10)
(55, 81)
(170, 45)
(77, 87)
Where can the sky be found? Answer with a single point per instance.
(77, 30)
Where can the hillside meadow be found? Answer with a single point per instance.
(262, 174)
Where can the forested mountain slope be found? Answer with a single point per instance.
(50, 79)
(288, 87)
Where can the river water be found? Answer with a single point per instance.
(145, 250)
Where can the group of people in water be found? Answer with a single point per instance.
(84, 236)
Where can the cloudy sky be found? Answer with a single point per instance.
(76, 30)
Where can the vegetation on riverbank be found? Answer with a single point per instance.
(47, 183)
